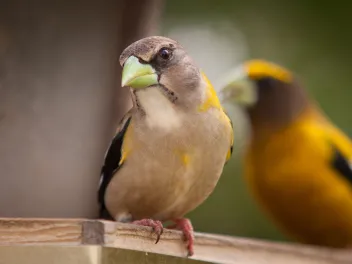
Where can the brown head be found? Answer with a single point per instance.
(270, 93)
(163, 64)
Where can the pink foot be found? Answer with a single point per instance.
(186, 227)
(155, 224)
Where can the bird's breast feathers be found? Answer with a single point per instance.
(182, 166)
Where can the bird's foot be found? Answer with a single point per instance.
(186, 227)
(155, 224)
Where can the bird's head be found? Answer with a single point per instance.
(267, 91)
(252, 80)
(163, 64)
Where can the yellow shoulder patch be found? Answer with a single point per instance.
(212, 99)
(257, 69)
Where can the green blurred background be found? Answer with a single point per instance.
(309, 37)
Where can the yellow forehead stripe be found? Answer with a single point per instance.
(257, 69)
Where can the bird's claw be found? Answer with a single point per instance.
(157, 226)
(186, 227)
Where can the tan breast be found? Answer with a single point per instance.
(169, 173)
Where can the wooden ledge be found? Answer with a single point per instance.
(210, 248)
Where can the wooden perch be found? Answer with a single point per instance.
(208, 248)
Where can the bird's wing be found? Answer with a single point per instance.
(112, 163)
(339, 142)
(342, 165)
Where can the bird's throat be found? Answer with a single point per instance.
(159, 111)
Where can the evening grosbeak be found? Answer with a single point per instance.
(170, 148)
(297, 161)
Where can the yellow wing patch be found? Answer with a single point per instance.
(123, 157)
(257, 69)
(126, 146)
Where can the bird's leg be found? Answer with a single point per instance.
(155, 224)
(186, 227)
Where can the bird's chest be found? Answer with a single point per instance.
(178, 152)
(171, 138)
(293, 181)
(291, 169)
(278, 166)
(182, 165)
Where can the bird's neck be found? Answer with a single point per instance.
(157, 110)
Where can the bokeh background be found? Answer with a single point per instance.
(60, 98)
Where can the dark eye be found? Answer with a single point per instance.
(165, 53)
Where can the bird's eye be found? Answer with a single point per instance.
(165, 53)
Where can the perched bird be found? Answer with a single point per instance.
(171, 147)
(296, 162)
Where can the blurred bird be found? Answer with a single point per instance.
(297, 161)
(171, 147)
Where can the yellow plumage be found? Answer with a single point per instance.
(296, 164)
(291, 175)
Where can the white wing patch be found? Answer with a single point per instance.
(101, 180)
(161, 113)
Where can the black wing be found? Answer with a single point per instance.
(342, 165)
(111, 165)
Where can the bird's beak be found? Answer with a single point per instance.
(229, 93)
(224, 96)
(242, 92)
(137, 75)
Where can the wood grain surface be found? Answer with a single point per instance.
(118, 236)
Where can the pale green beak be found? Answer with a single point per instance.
(240, 91)
(137, 75)
(226, 94)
